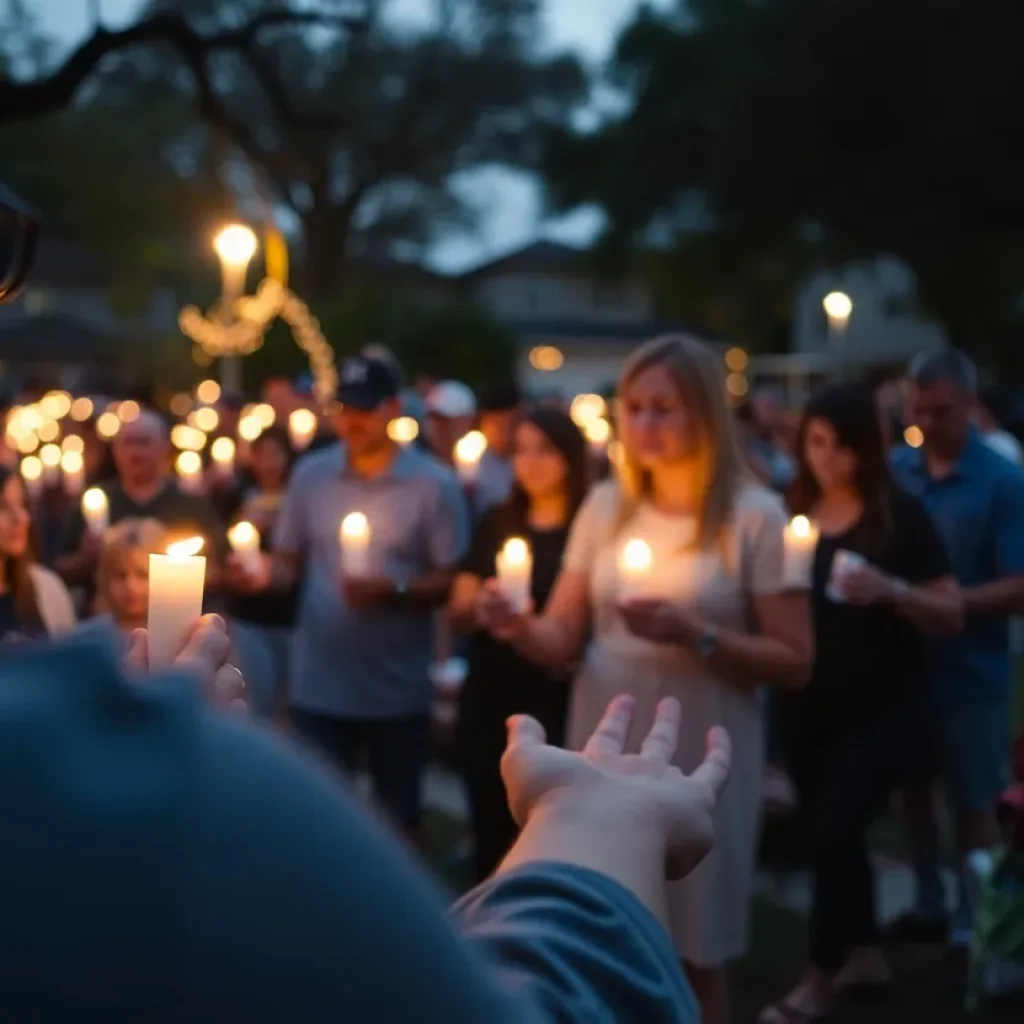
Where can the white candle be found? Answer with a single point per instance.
(73, 467)
(355, 545)
(515, 571)
(469, 450)
(96, 511)
(32, 475)
(801, 541)
(222, 451)
(50, 455)
(190, 472)
(635, 562)
(175, 599)
(598, 432)
(244, 539)
(302, 428)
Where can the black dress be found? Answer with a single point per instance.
(502, 683)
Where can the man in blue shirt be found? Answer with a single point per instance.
(976, 498)
(359, 683)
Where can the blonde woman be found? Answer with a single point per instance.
(713, 623)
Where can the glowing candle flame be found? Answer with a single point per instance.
(185, 548)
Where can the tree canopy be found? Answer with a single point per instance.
(762, 138)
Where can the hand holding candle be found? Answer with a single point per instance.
(636, 561)
(801, 542)
(515, 572)
(96, 511)
(354, 536)
(176, 582)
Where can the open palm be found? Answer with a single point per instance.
(645, 786)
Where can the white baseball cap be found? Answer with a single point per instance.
(451, 399)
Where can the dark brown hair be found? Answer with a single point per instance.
(850, 410)
(19, 575)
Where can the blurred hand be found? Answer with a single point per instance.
(499, 616)
(204, 656)
(365, 592)
(661, 621)
(240, 577)
(644, 789)
(866, 585)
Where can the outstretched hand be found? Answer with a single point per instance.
(205, 656)
(645, 788)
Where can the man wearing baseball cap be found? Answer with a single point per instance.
(359, 684)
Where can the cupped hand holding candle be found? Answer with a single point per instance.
(176, 582)
(96, 511)
(636, 560)
(469, 450)
(514, 565)
(801, 542)
(354, 536)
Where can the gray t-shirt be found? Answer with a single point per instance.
(369, 663)
(165, 864)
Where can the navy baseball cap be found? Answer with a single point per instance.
(367, 383)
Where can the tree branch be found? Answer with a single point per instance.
(23, 100)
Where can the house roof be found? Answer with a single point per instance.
(57, 338)
(546, 256)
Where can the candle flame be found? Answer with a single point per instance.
(31, 468)
(637, 555)
(801, 526)
(469, 449)
(355, 524)
(516, 551)
(94, 500)
(223, 450)
(186, 548)
(243, 534)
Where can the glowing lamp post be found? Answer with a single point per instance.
(838, 308)
(235, 246)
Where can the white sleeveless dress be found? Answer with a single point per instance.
(709, 911)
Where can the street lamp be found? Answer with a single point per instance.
(838, 309)
(235, 245)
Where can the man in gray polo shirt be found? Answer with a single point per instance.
(359, 682)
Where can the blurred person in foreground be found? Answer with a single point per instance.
(711, 621)
(200, 839)
(976, 499)
(499, 408)
(363, 644)
(33, 601)
(858, 730)
(145, 488)
(550, 464)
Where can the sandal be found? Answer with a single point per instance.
(785, 1013)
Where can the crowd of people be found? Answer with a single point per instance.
(885, 672)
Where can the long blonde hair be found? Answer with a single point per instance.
(147, 536)
(719, 467)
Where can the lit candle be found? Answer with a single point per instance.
(96, 511)
(302, 428)
(50, 455)
(190, 472)
(244, 539)
(515, 572)
(598, 432)
(403, 430)
(175, 599)
(801, 541)
(635, 562)
(72, 465)
(222, 451)
(469, 450)
(32, 475)
(355, 545)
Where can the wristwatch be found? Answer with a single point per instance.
(708, 642)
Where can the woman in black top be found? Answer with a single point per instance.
(858, 728)
(550, 463)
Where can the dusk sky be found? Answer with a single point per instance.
(512, 201)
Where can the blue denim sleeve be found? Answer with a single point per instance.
(577, 945)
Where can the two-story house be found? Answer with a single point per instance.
(64, 331)
(575, 329)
